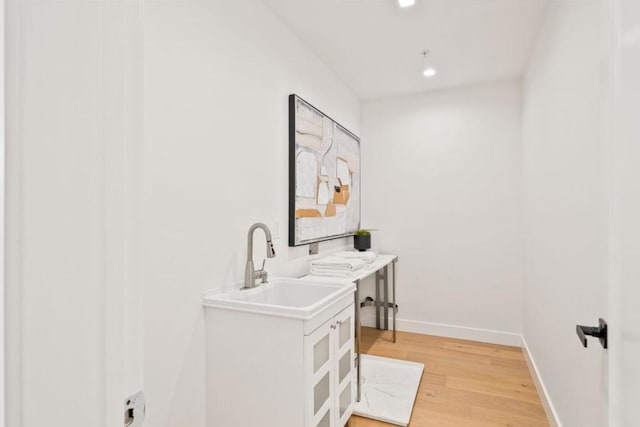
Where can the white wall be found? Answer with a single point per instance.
(217, 78)
(566, 206)
(442, 183)
(70, 79)
(624, 316)
(2, 232)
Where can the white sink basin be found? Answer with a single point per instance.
(280, 297)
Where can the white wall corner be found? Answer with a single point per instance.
(547, 404)
(2, 219)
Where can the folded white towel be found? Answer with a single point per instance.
(334, 273)
(337, 263)
(367, 256)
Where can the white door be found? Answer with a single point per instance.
(2, 245)
(73, 86)
(625, 227)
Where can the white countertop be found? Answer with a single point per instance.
(380, 262)
(281, 297)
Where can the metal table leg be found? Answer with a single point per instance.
(358, 340)
(386, 297)
(377, 301)
(393, 291)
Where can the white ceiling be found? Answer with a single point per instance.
(374, 46)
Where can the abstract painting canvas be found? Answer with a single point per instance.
(324, 176)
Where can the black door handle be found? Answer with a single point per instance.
(599, 331)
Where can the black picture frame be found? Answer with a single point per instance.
(293, 240)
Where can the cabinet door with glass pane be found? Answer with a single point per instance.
(344, 369)
(319, 361)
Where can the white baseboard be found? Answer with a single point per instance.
(451, 331)
(549, 409)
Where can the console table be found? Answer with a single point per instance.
(380, 267)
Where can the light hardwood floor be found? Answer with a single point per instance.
(465, 383)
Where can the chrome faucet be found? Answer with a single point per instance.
(250, 273)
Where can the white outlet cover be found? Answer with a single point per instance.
(137, 403)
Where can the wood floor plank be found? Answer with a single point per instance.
(498, 388)
(505, 418)
(465, 383)
(486, 372)
(511, 353)
(429, 392)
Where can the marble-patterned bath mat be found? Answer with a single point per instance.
(389, 389)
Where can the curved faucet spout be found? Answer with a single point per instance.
(250, 275)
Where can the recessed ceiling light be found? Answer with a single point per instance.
(406, 3)
(429, 72)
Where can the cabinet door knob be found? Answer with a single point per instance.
(339, 322)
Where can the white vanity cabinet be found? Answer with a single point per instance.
(329, 372)
(290, 369)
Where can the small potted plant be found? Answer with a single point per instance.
(362, 240)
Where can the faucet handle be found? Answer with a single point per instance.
(263, 273)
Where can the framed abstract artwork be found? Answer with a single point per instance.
(324, 176)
